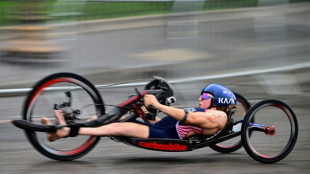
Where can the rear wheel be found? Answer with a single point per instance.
(77, 98)
(274, 132)
(234, 144)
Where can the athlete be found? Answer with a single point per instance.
(215, 103)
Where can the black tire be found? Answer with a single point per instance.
(270, 148)
(235, 143)
(40, 102)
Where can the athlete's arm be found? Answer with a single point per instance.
(208, 119)
(200, 119)
(145, 111)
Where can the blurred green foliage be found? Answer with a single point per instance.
(123, 9)
(63, 11)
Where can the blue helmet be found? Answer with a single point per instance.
(222, 95)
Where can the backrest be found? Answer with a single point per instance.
(226, 130)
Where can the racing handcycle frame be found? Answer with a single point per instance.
(164, 93)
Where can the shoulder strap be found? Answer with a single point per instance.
(194, 109)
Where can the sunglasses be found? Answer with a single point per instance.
(206, 96)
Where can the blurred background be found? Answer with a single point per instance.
(259, 48)
(136, 39)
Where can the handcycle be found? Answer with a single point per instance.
(268, 129)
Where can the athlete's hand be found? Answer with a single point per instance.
(150, 100)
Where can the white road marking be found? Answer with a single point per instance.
(183, 80)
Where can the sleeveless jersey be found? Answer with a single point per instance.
(183, 130)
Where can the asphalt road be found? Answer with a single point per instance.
(18, 156)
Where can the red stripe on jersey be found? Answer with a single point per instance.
(184, 130)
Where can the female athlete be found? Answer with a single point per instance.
(215, 104)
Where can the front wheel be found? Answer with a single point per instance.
(274, 132)
(78, 99)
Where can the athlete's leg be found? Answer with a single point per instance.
(117, 129)
(50, 136)
(60, 132)
(114, 129)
